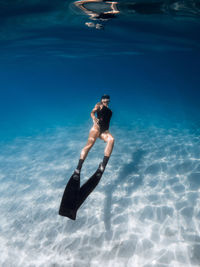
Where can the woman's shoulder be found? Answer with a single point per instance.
(98, 105)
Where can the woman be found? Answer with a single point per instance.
(99, 129)
(74, 195)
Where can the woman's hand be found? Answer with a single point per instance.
(96, 121)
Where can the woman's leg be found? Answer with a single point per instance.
(93, 181)
(109, 139)
(93, 134)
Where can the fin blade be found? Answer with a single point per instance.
(68, 205)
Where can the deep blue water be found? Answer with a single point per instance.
(57, 60)
(54, 68)
(161, 86)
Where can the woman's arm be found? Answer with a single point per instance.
(80, 4)
(93, 113)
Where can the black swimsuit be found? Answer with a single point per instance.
(104, 115)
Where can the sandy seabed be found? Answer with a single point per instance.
(144, 212)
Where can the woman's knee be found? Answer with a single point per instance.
(111, 139)
(91, 141)
(87, 148)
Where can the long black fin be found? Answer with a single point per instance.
(74, 196)
(68, 206)
(87, 188)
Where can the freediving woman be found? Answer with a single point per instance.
(100, 129)
(74, 195)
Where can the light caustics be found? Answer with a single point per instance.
(144, 212)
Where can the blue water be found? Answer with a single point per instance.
(56, 62)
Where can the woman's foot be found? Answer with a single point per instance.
(76, 174)
(101, 167)
(77, 171)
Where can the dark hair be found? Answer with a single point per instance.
(105, 97)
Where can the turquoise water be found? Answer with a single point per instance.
(57, 59)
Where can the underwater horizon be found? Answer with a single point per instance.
(57, 59)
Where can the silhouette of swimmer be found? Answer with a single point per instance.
(103, 10)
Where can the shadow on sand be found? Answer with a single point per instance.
(125, 175)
